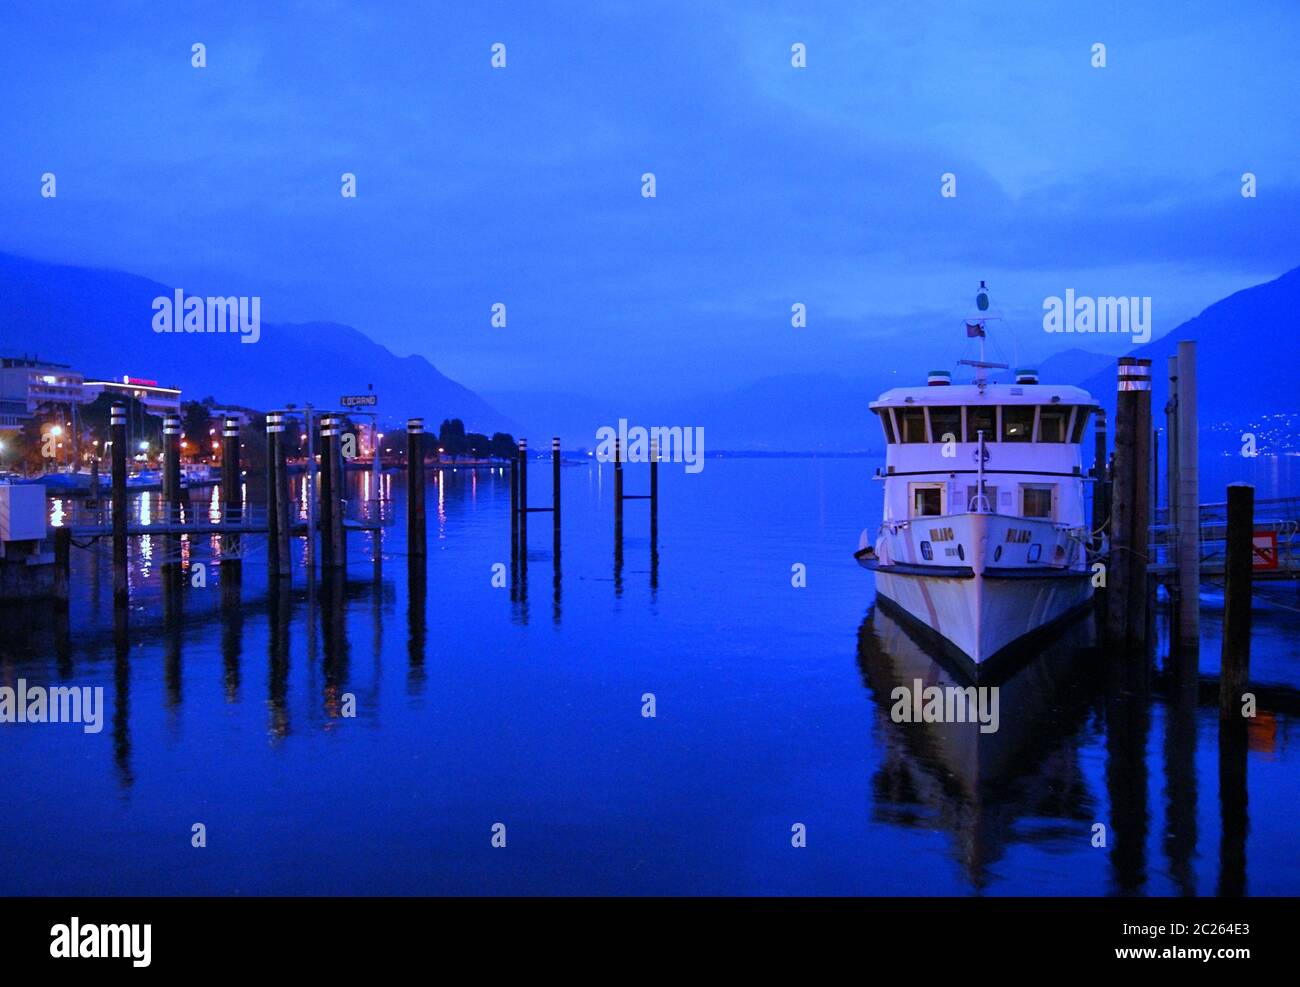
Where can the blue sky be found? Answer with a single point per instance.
(775, 185)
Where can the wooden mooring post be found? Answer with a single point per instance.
(523, 500)
(1188, 623)
(1117, 571)
(328, 499)
(417, 544)
(117, 433)
(171, 494)
(514, 507)
(232, 496)
(277, 498)
(1234, 666)
(1140, 582)
(1127, 582)
(171, 477)
(654, 490)
(555, 490)
(332, 466)
(618, 493)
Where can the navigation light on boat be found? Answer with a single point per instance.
(1026, 376)
(939, 378)
(982, 298)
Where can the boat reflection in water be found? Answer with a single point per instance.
(982, 787)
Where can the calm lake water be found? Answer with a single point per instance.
(478, 705)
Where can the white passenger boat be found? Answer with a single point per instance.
(984, 539)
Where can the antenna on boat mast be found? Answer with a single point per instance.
(976, 329)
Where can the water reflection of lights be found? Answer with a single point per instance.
(442, 504)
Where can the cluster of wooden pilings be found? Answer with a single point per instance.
(520, 509)
(1124, 497)
(325, 505)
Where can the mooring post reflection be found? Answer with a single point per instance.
(279, 611)
(122, 697)
(171, 581)
(1180, 768)
(333, 613)
(416, 627)
(232, 627)
(1128, 724)
(1234, 824)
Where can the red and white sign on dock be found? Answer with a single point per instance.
(1264, 551)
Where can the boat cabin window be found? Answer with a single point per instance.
(1052, 422)
(1080, 423)
(945, 421)
(911, 424)
(887, 423)
(981, 418)
(1036, 500)
(1017, 422)
(927, 499)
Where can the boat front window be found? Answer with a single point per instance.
(1080, 423)
(945, 424)
(887, 423)
(981, 419)
(1017, 422)
(911, 424)
(1052, 421)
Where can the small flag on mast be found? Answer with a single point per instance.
(974, 329)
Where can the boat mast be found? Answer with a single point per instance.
(982, 366)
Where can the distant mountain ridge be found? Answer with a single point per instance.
(1246, 348)
(99, 321)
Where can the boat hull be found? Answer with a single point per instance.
(982, 616)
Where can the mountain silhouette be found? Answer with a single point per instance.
(100, 322)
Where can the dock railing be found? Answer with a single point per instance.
(1279, 516)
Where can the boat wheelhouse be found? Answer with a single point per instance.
(984, 537)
